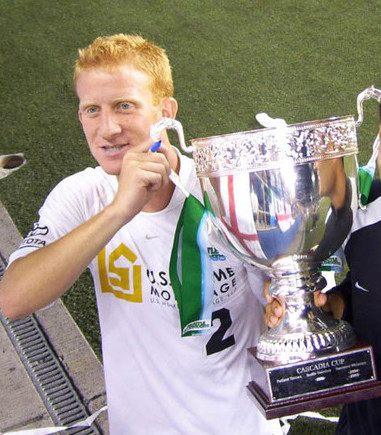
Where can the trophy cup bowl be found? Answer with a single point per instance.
(283, 200)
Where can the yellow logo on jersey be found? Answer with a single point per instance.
(117, 280)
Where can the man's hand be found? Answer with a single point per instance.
(274, 310)
(142, 176)
(331, 303)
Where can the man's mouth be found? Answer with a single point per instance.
(113, 148)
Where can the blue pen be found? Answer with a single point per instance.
(155, 146)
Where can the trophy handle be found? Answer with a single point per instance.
(366, 94)
(170, 124)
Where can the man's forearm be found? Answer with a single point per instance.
(41, 277)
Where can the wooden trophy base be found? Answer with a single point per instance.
(286, 389)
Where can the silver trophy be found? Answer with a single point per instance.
(283, 200)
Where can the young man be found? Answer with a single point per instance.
(119, 220)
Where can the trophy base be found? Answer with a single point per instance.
(292, 388)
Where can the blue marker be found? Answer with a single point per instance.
(155, 146)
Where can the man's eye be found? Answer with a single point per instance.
(126, 107)
(90, 111)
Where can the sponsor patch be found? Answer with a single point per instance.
(38, 231)
(32, 242)
(215, 255)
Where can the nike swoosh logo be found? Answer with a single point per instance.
(148, 237)
(357, 285)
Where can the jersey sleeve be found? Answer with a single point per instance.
(61, 212)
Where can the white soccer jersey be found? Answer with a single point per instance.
(157, 381)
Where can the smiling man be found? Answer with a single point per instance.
(119, 220)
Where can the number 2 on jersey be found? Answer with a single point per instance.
(218, 341)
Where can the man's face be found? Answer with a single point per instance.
(116, 111)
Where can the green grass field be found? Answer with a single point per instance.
(299, 60)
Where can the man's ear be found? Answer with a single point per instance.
(169, 108)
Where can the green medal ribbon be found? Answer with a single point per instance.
(191, 270)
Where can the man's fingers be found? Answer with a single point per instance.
(320, 299)
(274, 311)
(273, 321)
(278, 311)
(265, 292)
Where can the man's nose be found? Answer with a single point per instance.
(109, 125)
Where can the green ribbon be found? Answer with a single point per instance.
(191, 270)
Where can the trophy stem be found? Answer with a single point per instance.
(305, 331)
